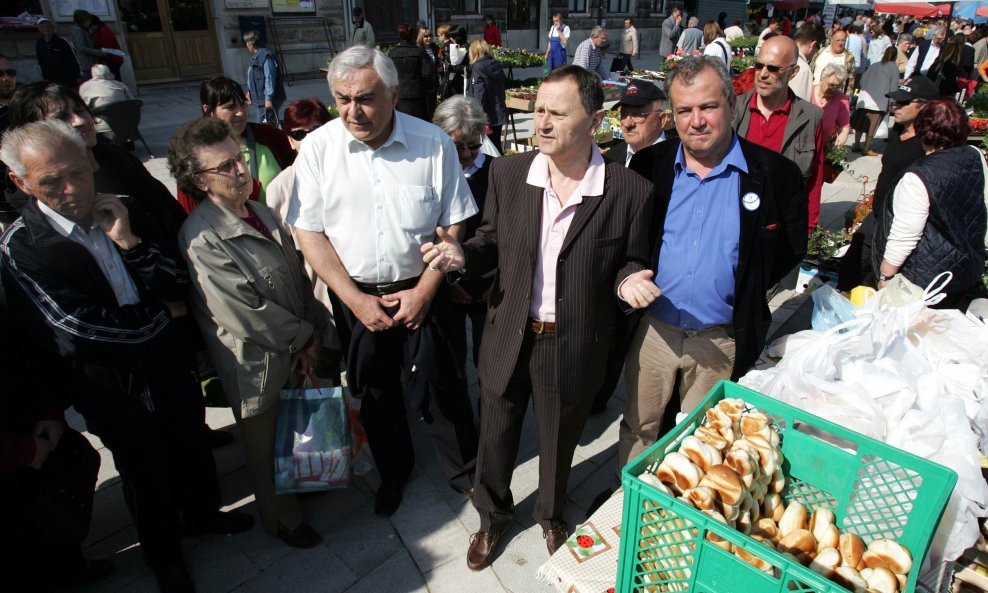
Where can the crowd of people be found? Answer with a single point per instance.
(565, 266)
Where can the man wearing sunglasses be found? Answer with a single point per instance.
(771, 115)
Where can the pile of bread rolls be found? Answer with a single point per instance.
(730, 468)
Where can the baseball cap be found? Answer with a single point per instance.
(43, 19)
(917, 87)
(640, 92)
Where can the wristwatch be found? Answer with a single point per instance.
(884, 278)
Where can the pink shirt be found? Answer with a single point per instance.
(556, 219)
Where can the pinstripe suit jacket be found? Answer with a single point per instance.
(607, 241)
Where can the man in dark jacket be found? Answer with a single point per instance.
(55, 56)
(730, 222)
(87, 275)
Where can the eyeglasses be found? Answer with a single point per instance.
(467, 147)
(9, 72)
(636, 117)
(771, 68)
(228, 167)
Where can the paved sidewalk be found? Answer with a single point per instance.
(422, 548)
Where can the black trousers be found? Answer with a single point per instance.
(559, 418)
(165, 463)
(46, 515)
(624, 331)
(452, 429)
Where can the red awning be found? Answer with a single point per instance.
(791, 4)
(916, 9)
(981, 11)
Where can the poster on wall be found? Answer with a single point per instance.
(63, 9)
(293, 6)
(245, 3)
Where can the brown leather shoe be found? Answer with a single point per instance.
(480, 554)
(555, 538)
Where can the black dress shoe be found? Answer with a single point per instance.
(218, 438)
(387, 500)
(173, 578)
(555, 537)
(226, 523)
(302, 536)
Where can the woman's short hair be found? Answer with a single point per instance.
(253, 37)
(942, 124)
(459, 113)
(182, 160)
(478, 49)
(891, 53)
(359, 56)
(420, 38)
(442, 31)
(101, 72)
(42, 100)
(711, 31)
(837, 70)
(406, 32)
(304, 113)
(220, 90)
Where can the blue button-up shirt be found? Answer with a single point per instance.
(699, 253)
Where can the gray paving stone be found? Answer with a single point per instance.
(364, 541)
(517, 565)
(455, 577)
(303, 571)
(397, 574)
(428, 527)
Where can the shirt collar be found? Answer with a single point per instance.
(475, 166)
(397, 135)
(593, 179)
(661, 138)
(63, 226)
(753, 104)
(733, 158)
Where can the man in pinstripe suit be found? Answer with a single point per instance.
(564, 229)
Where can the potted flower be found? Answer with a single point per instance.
(834, 161)
(826, 246)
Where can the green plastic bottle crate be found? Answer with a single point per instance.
(875, 491)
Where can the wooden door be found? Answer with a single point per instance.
(385, 16)
(169, 40)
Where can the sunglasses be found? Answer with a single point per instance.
(8, 72)
(299, 134)
(771, 68)
(470, 147)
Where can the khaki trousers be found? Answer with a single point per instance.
(257, 437)
(658, 354)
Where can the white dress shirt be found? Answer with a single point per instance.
(475, 166)
(631, 151)
(556, 220)
(931, 56)
(103, 250)
(377, 207)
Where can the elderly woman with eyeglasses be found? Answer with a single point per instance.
(835, 126)
(252, 301)
(464, 120)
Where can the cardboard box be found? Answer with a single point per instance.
(519, 104)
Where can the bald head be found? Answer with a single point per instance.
(780, 47)
(776, 67)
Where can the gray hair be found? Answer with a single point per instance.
(690, 66)
(101, 72)
(358, 57)
(597, 30)
(46, 134)
(253, 37)
(837, 70)
(461, 113)
(932, 33)
(693, 22)
(905, 37)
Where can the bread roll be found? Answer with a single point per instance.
(752, 559)
(880, 579)
(720, 542)
(744, 464)
(851, 549)
(826, 561)
(726, 482)
(743, 523)
(678, 472)
(850, 578)
(711, 437)
(653, 481)
(701, 497)
(772, 507)
(820, 517)
(718, 420)
(889, 554)
(766, 528)
(823, 528)
(701, 454)
(792, 519)
(778, 481)
(732, 407)
(800, 543)
(755, 423)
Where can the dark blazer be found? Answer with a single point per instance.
(617, 153)
(772, 240)
(606, 242)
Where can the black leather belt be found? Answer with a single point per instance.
(387, 287)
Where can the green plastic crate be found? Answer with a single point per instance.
(875, 491)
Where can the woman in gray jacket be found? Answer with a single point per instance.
(252, 300)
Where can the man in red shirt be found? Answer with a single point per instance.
(771, 115)
(492, 34)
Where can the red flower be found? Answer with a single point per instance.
(584, 541)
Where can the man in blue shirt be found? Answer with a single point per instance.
(729, 224)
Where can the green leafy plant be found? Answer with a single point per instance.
(742, 63)
(528, 82)
(823, 243)
(837, 156)
(979, 103)
(518, 58)
(333, 111)
(744, 42)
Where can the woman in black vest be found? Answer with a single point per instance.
(416, 74)
(936, 219)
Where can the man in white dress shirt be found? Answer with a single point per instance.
(370, 188)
